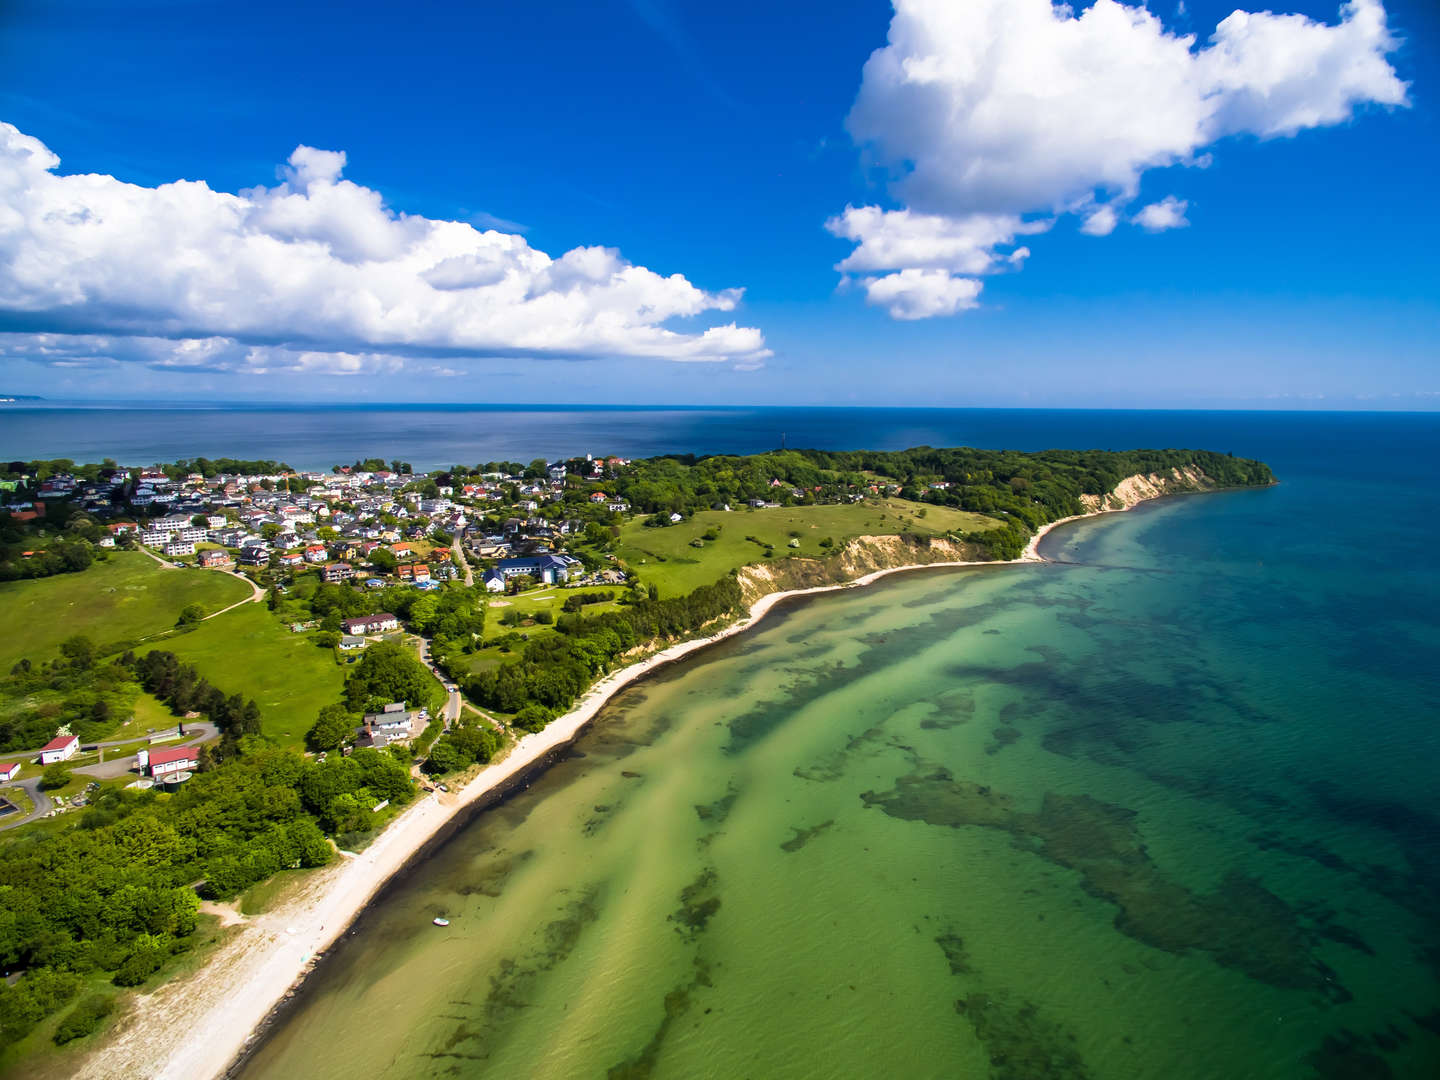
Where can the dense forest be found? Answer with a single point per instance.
(113, 893)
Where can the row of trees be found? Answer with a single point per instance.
(184, 689)
(554, 670)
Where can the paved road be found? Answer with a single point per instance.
(39, 798)
(459, 553)
(451, 712)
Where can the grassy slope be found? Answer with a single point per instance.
(248, 652)
(126, 597)
(665, 558)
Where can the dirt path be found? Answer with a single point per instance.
(256, 592)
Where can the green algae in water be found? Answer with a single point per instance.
(1043, 821)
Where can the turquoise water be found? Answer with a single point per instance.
(1163, 808)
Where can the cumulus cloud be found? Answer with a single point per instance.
(922, 294)
(1100, 222)
(1168, 213)
(317, 266)
(994, 117)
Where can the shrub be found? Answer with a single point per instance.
(84, 1018)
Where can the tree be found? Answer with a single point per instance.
(191, 615)
(331, 728)
(79, 650)
(55, 776)
(387, 672)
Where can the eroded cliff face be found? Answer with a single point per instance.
(866, 554)
(861, 556)
(1138, 488)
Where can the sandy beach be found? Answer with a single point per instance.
(198, 1026)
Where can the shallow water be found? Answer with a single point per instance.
(1162, 809)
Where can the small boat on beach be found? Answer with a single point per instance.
(442, 922)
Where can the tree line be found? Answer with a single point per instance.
(553, 671)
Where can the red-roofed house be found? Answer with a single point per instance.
(8, 771)
(60, 748)
(160, 763)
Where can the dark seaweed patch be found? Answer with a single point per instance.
(1023, 1043)
(1242, 924)
(677, 1003)
(1343, 1056)
(718, 810)
(511, 985)
(698, 902)
(489, 878)
(804, 836)
(1003, 736)
(953, 946)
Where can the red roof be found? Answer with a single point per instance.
(60, 742)
(165, 757)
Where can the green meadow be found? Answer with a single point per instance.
(126, 597)
(250, 652)
(667, 557)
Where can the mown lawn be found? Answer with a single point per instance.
(128, 596)
(665, 557)
(249, 652)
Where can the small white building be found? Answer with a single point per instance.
(60, 748)
(161, 763)
(8, 771)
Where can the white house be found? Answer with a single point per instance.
(8, 771)
(161, 763)
(60, 748)
(371, 624)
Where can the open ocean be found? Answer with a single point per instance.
(1164, 808)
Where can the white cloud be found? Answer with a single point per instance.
(994, 115)
(1100, 222)
(891, 238)
(1168, 213)
(922, 294)
(318, 266)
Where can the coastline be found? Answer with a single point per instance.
(205, 1024)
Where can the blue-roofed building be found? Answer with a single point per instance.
(549, 569)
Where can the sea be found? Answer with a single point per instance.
(1164, 806)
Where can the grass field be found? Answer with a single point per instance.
(249, 652)
(128, 596)
(665, 557)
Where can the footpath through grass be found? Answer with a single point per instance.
(128, 596)
(249, 652)
(666, 557)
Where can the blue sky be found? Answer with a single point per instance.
(713, 143)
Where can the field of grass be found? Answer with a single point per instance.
(665, 557)
(147, 715)
(128, 596)
(249, 652)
